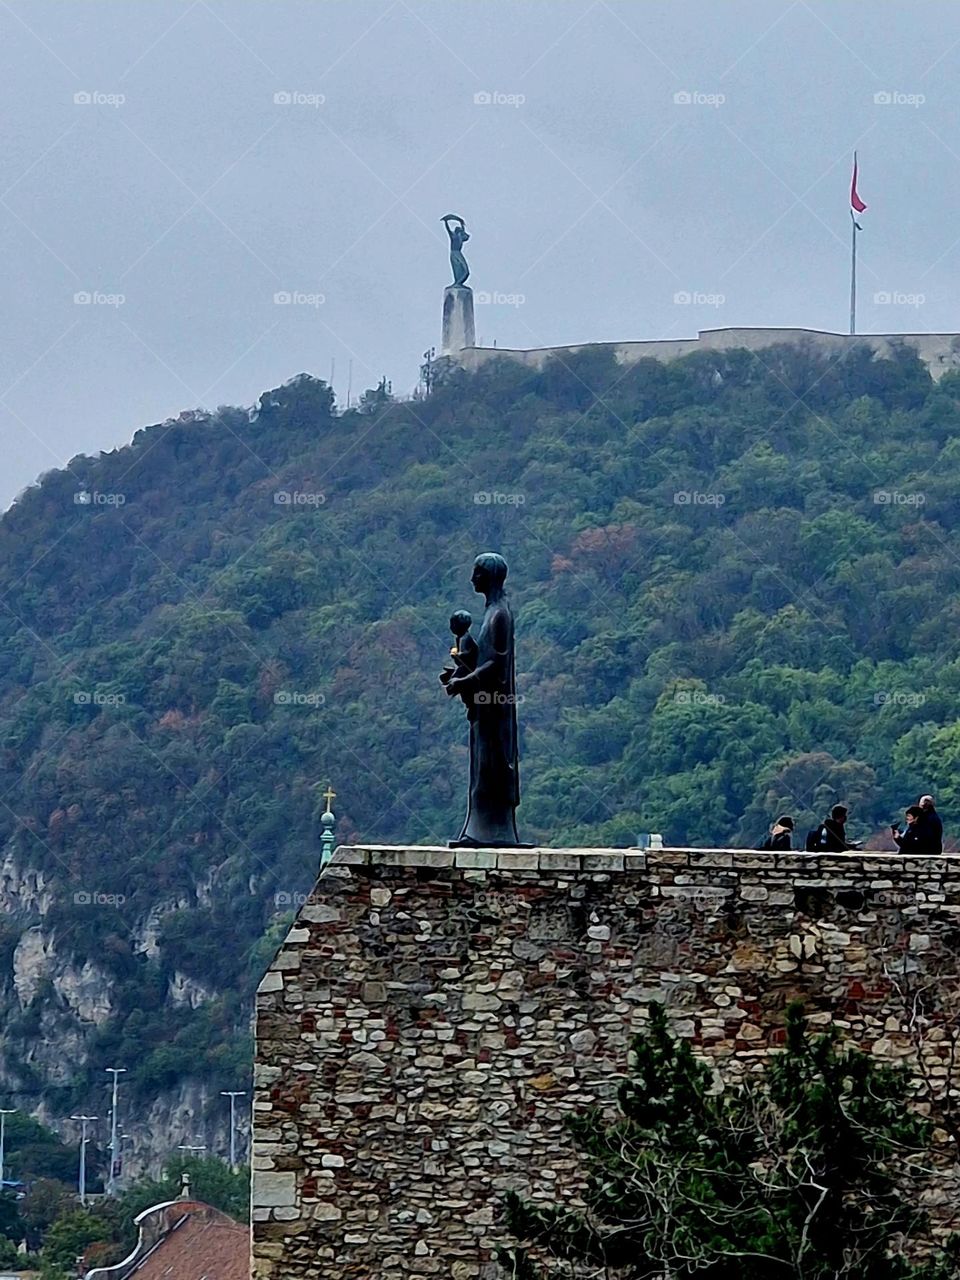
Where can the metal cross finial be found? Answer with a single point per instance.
(327, 822)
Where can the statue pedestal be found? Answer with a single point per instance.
(458, 327)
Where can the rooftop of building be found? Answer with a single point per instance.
(184, 1239)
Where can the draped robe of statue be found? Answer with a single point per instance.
(489, 693)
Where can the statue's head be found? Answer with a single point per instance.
(489, 572)
(460, 623)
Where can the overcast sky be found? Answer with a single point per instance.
(195, 158)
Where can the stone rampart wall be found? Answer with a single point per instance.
(434, 1014)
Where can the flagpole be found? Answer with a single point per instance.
(853, 272)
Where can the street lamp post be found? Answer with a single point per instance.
(116, 1072)
(82, 1186)
(4, 1112)
(233, 1095)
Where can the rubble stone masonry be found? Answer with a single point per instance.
(433, 1015)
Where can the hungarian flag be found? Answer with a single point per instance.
(855, 202)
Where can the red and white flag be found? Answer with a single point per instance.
(855, 202)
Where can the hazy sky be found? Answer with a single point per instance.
(593, 197)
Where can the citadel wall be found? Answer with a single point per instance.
(940, 352)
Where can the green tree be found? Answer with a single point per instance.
(67, 1239)
(45, 1202)
(817, 1171)
(11, 1223)
(211, 1180)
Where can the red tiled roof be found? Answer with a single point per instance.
(204, 1245)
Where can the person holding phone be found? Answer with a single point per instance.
(911, 840)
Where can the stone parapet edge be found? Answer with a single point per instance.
(558, 860)
(490, 859)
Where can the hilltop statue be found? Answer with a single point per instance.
(483, 678)
(459, 330)
(458, 237)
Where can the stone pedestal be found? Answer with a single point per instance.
(458, 327)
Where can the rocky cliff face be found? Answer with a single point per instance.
(53, 1003)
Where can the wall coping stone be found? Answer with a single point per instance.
(608, 859)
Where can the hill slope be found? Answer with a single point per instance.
(735, 584)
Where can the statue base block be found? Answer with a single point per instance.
(488, 844)
(458, 326)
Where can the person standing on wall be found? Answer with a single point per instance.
(931, 828)
(910, 841)
(780, 835)
(831, 835)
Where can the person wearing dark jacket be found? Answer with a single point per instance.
(931, 828)
(833, 832)
(912, 839)
(780, 834)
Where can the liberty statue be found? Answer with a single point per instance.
(458, 237)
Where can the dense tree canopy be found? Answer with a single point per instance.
(735, 579)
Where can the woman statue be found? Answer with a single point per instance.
(458, 238)
(489, 692)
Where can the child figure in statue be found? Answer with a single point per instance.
(463, 653)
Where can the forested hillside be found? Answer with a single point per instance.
(735, 580)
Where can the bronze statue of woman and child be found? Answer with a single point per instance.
(483, 678)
